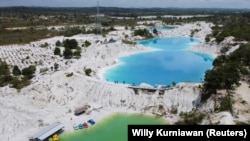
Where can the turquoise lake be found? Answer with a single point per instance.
(170, 62)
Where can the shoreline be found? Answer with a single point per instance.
(103, 70)
(191, 47)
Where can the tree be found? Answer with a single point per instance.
(87, 43)
(67, 53)
(29, 71)
(220, 60)
(70, 43)
(58, 43)
(207, 38)
(57, 51)
(232, 74)
(16, 71)
(88, 71)
(77, 53)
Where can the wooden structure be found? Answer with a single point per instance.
(47, 132)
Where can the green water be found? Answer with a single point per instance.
(111, 128)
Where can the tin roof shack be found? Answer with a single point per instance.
(47, 132)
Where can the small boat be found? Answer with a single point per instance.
(76, 127)
(80, 126)
(85, 125)
(91, 121)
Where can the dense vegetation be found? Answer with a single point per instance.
(71, 49)
(37, 19)
(234, 25)
(143, 32)
(193, 117)
(227, 71)
(15, 78)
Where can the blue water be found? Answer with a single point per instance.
(171, 62)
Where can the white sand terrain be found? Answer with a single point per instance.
(53, 97)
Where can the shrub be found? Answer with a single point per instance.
(58, 43)
(155, 31)
(88, 71)
(70, 43)
(193, 117)
(43, 70)
(29, 71)
(19, 84)
(57, 51)
(44, 45)
(69, 74)
(208, 38)
(143, 32)
(86, 43)
(16, 71)
(67, 53)
(225, 104)
(70, 31)
(174, 110)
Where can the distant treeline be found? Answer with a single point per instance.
(235, 22)
(116, 11)
(34, 16)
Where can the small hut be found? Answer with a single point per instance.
(48, 132)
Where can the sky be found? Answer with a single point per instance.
(131, 3)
